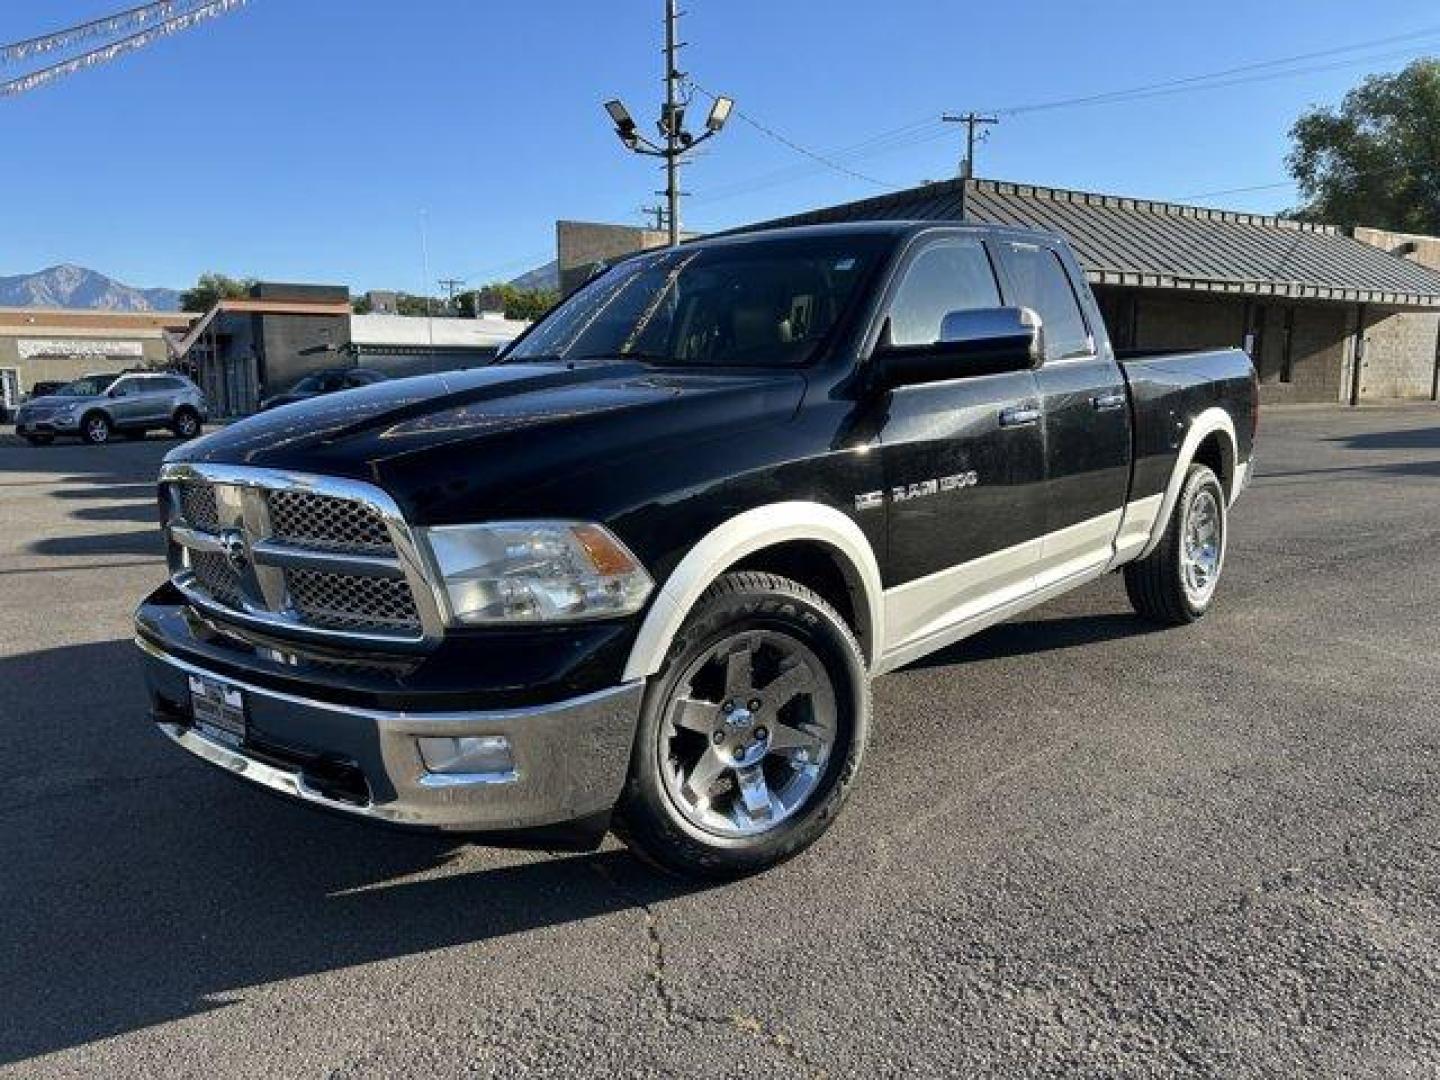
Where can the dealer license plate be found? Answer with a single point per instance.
(218, 710)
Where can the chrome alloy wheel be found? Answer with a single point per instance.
(97, 430)
(1202, 546)
(748, 733)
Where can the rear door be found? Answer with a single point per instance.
(963, 460)
(1087, 413)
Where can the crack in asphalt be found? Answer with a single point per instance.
(674, 1011)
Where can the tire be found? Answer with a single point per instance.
(185, 424)
(722, 782)
(96, 429)
(39, 440)
(1175, 584)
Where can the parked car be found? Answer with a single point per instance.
(327, 381)
(642, 571)
(96, 407)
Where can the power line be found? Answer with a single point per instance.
(925, 131)
(104, 54)
(805, 151)
(1204, 81)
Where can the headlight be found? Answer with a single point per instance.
(535, 571)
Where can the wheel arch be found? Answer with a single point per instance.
(1210, 440)
(779, 537)
(96, 410)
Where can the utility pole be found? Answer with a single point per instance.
(678, 142)
(658, 213)
(972, 121)
(450, 284)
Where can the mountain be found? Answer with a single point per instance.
(71, 286)
(542, 277)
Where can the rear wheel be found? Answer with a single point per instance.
(751, 734)
(1176, 582)
(96, 429)
(186, 423)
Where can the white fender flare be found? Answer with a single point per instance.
(1206, 424)
(744, 535)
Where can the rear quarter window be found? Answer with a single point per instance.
(1038, 280)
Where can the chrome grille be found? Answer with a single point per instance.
(322, 521)
(321, 557)
(351, 601)
(217, 577)
(197, 506)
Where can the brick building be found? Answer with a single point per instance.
(1328, 317)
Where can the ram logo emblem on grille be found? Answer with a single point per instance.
(236, 553)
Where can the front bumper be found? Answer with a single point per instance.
(53, 424)
(570, 757)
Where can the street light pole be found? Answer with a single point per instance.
(672, 126)
(677, 141)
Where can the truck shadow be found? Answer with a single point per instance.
(1034, 636)
(142, 887)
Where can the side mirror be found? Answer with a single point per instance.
(114, 392)
(983, 341)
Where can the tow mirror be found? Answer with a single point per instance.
(982, 341)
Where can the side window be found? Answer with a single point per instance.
(950, 275)
(125, 388)
(1039, 281)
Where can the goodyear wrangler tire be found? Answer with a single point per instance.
(750, 735)
(1175, 584)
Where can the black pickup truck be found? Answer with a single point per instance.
(638, 574)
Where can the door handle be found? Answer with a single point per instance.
(1115, 399)
(1019, 416)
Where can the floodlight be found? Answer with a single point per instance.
(624, 123)
(719, 113)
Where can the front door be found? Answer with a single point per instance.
(1087, 415)
(963, 460)
(127, 402)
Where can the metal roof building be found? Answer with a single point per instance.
(1326, 316)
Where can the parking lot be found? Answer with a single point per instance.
(1079, 846)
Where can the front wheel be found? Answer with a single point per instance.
(751, 734)
(95, 429)
(1175, 583)
(186, 423)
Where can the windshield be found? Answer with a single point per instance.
(769, 303)
(90, 386)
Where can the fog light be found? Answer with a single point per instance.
(487, 755)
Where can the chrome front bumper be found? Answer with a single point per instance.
(570, 758)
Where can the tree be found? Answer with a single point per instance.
(516, 302)
(1376, 159)
(211, 288)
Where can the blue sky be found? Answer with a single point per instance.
(305, 139)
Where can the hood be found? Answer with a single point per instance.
(502, 435)
(51, 401)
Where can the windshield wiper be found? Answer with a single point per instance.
(640, 357)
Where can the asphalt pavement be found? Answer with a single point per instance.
(1080, 845)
